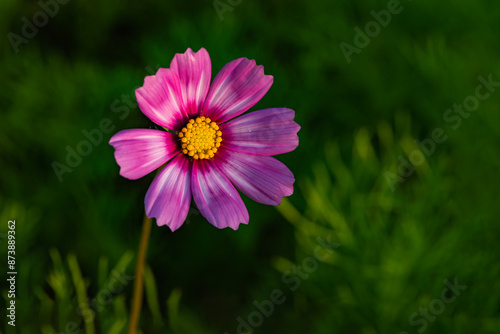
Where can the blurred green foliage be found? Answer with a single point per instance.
(396, 248)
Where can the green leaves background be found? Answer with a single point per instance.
(396, 247)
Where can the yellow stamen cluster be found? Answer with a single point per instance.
(200, 138)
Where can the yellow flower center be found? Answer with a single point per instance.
(200, 138)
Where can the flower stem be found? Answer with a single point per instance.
(139, 275)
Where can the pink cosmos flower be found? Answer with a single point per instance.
(210, 151)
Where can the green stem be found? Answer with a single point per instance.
(139, 276)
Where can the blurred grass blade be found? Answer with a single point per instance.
(81, 293)
(152, 296)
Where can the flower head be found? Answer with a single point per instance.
(209, 151)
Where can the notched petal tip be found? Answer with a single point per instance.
(169, 196)
(238, 86)
(160, 99)
(215, 196)
(263, 132)
(263, 179)
(138, 152)
(194, 71)
(235, 228)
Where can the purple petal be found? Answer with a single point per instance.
(236, 88)
(194, 71)
(262, 132)
(216, 197)
(160, 99)
(169, 196)
(263, 179)
(140, 151)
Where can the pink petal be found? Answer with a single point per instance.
(138, 152)
(169, 196)
(216, 197)
(236, 88)
(262, 132)
(160, 99)
(263, 179)
(194, 71)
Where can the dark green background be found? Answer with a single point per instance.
(396, 247)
